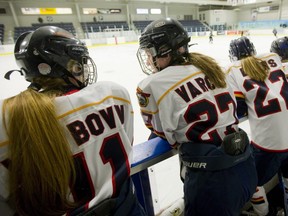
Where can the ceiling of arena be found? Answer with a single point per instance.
(202, 4)
(198, 2)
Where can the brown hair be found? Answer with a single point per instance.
(41, 164)
(209, 67)
(255, 68)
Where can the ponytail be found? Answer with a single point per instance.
(255, 68)
(41, 166)
(210, 68)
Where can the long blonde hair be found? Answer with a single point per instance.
(209, 67)
(41, 164)
(255, 68)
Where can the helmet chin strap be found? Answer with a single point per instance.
(72, 81)
(35, 86)
(68, 78)
(177, 56)
(158, 67)
(155, 64)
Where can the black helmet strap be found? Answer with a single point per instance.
(35, 86)
(67, 77)
(8, 74)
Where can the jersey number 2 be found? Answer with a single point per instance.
(208, 109)
(272, 105)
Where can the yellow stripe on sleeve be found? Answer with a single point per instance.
(176, 84)
(92, 104)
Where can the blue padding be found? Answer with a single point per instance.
(148, 150)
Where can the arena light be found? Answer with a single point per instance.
(142, 11)
(46, 11)
(155, 11)
(239, 2)
(90, 11)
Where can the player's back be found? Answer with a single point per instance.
(267, 102)
(99, 126)
(189, 107)
(98, 122)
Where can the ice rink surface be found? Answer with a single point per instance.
(118, 63)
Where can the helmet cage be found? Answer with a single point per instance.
(72, 56)
(152, 46)
(147, 60)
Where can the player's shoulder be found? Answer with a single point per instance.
(106, 88)
(272, 59)
(267, 56)
(106, 85)
(233, 66)
(165, 76)
(147, 81)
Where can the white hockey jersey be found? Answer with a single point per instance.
(267, 103)
(178, 103)
(98, 121)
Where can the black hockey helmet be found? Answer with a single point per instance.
(54, 52)
(280, 46)
(160, 38)
(241, 48)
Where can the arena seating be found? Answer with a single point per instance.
(88, 27)
(104, 26)
(218, 27)
(67, 26)
(19, 30)
(193, 25)
(189, 25)
(2, 28)
(140, 25)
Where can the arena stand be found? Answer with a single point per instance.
(20, 30)
(2, 28)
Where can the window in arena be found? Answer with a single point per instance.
(239, 2)
(142, 11)
(100, 11)
(46, 11)
(115, 10)
(188, 17)
(155, 11)
(2, 11)
(89, 10)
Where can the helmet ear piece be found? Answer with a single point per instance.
(22, 42)
(20, 48)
